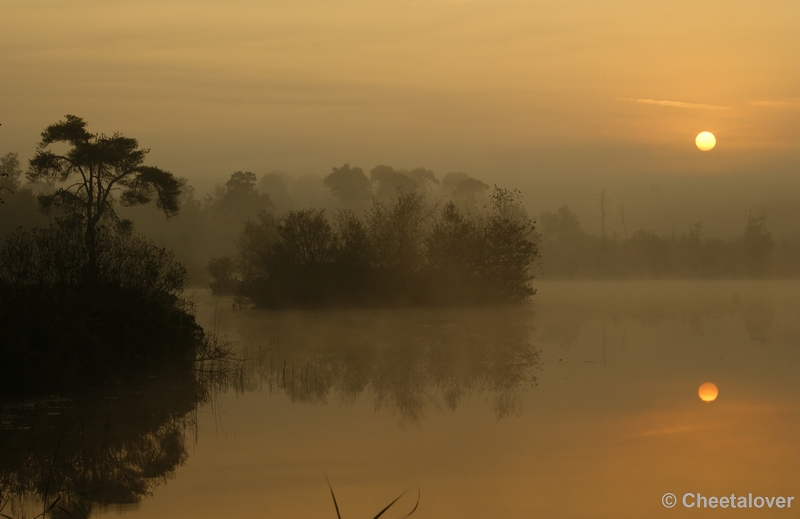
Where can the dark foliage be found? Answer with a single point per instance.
(390, 181)
(229, 208)
(350, 185)
(404, 252)
(60, 327)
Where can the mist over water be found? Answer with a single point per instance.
(517, 410)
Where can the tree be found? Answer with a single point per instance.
(230, 206)
(758, 244)
(243, 182)
(565, 247)
(511, 247)
(101, 168)
(274, 185)
(307, 239)
(351, 185)
(396, 230)
(454, 251)
(467, 190)
(391, 182)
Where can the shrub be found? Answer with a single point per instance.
(60, 324)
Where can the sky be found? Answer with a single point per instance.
(558, 99)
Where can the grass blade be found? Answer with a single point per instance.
(415, 506)
(53, 504)
(390, 504)
(333, 496)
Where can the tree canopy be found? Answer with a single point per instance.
(351, 185)
(95, 172)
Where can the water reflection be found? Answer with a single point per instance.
(74, 455)
(708, 392)
(565, 308)
(593, 421)
(407, 360)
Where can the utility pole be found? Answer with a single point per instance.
(603, 201)
(622, 217)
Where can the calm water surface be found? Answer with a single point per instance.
(583, 404)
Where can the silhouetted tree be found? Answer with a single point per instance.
(254, 259)
(511, 247)
(565, 246)
(454, 256)
(422, 176)
(274, 185)
(396, 229)
(226, 211)
(451, 180)
(223, 275)
(302, 258)
(380, 173)
(757, 243)
(350, 185)
(100, 168)
(391, 182)
(238, 200)
(467, 190)
(306, 238)
(241, 183)
(352, 255)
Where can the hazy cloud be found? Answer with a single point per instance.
(678, 104)
(788, 103)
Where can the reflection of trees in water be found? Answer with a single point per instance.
(409, 360)
(758, 320)
(108, 449)
(694, 305)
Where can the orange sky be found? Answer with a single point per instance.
(496, 88)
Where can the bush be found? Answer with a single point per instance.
(61, 325)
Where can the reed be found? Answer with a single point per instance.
(387, 507)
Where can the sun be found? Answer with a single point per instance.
(705, 141)
(708, 391)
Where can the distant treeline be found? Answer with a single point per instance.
(212, 228)
(569, 252)
(403, 251)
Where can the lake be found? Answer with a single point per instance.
(582, 404)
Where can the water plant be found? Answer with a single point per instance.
(339, 515)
